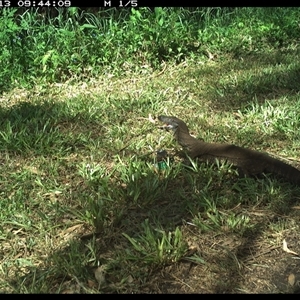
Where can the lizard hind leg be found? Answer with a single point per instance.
(242, 172)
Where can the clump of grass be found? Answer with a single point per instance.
(155, 247)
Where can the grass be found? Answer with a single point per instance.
(85, 205)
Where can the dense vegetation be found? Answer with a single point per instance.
(36, 47)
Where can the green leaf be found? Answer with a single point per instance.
(89, 26)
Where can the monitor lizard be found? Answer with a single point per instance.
(249, 162)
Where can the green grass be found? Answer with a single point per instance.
(82, 195)
(38, 48)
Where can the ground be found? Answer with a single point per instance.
(48, 237)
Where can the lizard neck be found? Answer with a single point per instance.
(183, 136)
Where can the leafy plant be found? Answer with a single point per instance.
(156, 247)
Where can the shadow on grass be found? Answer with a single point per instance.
(50, 128)
(71, 268)
(47, 128)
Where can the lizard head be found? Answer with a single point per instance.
(172, 123)
(179, 128)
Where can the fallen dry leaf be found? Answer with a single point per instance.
(150, 119)
(92, 283)
(286, 249)
(291, 279)
(100, 274)
(210, 56)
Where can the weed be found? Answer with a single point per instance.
(156, 247)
